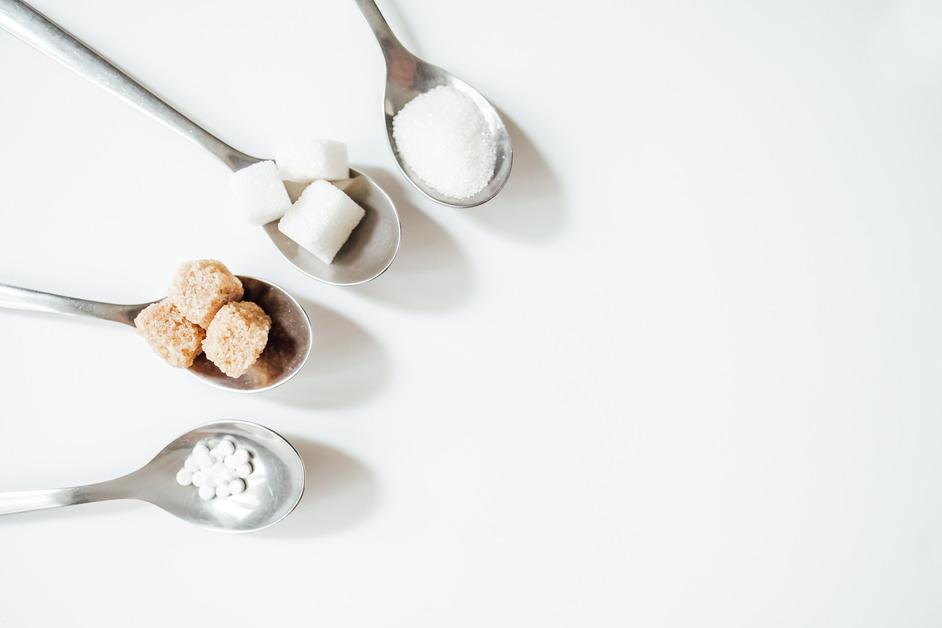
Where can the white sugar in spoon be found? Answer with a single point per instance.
(407, 76)
(374, 243)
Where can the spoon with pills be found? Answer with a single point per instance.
(448, 140)
(256, 476)
(233, 332)
(343, 229)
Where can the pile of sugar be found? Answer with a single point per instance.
(204, 313)
(444, 139)
(323, 217)
(217, 468)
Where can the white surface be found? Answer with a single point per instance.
(683, 372)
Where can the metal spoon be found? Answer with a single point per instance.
(372, 246)
(289, 341)
(407, 76)
(272, 490)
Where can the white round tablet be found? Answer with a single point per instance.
(184, 477)
(207, 492)
(241, 456)
(226, 447)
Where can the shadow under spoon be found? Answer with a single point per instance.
(273, 489)
(374, 243)
(408, 76)
(289, 341)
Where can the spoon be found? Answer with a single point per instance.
(289, 341)
(407, 76)
(374, 243)
(272, 490)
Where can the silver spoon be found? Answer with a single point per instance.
(407, 76)
(272, 490)
(289, 341)
(374, 243)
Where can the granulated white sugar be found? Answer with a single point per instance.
(444, 139)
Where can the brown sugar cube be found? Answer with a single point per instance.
(201, 287)
(236, 337)
(168, 332)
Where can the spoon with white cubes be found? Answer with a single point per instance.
(245, 477)
(342, 230)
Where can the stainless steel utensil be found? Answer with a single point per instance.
(408, 76)
(289, 341)
(374, 243)
(272, 490)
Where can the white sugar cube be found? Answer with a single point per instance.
(321, 220)
(305, 161)
(261, 192)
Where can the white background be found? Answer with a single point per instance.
(684, 371)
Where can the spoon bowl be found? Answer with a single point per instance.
(289, 343)
(272, 491)
(372, 246)
(289, 340)
(408, 76)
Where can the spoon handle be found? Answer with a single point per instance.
(24, 22)
(392, 48)
(15, 298)
(25, 501)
